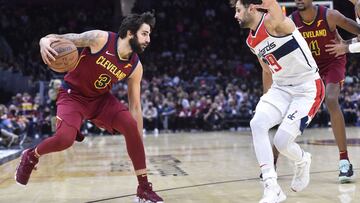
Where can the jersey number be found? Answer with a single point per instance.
(273, 64)
(314, 47)
(103, 81)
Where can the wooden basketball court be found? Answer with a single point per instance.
(216, 167)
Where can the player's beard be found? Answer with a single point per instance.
(136, 46)
(245, 22)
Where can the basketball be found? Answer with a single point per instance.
(67, 56)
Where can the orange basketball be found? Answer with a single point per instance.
(67, 56)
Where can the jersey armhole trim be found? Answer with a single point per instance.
(326, 20)
(102, 49)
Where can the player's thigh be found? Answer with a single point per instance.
(69, 110)
(110, 108)
(305, 103)
(266, 115)
(277, 97)
(334, 73)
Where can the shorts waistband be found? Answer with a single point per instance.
(65, 85)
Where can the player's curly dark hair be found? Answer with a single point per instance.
(133, 22)
(246, 3)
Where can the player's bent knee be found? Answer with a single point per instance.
(131, 123)
(65, 136)
(331, 99)
(254, 123)
(259, 122)
(126, 122)
(281, 140)
(65, 142)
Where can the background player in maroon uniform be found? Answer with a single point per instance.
(347, 46)
(318, 26)
(106, 59)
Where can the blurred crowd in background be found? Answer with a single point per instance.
(199, 74)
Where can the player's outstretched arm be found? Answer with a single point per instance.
(276, 20)
(134, 95)
(335, 18)
(90, 38)
(266, 76)
(95, 39)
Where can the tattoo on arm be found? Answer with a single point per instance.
(85, 39)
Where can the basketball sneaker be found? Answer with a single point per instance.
(346, 171)
(145, 194)
(272, 192)
(261, 175)
(301, 177)
(27, 164)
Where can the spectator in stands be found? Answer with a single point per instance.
(7, 137)
(150, 116)
(213, 118)
(349, 110)
(54, 87)
(168, 116)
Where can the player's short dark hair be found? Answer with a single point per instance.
(133, 22)
(246, 3)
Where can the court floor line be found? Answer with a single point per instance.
(212, 183)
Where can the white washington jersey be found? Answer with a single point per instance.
(288, 57)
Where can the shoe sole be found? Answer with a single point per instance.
(281, 198)
(345, 179)
(139, 200)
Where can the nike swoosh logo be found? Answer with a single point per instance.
(299, 27)
(108, 53)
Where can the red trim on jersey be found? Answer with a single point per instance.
(318, 99)
(260, 34)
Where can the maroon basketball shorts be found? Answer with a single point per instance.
(73, 108)
(333, 73)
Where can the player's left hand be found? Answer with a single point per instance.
(266, 4)
(336, 48)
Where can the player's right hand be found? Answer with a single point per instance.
(47, 53)
(336, 48)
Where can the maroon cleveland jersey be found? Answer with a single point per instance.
(95, 73)
(317, 34)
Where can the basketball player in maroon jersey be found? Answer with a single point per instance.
(85, 94)
(318, 24)
(347, 46)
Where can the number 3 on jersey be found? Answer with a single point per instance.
(273, 64)
(102, 82)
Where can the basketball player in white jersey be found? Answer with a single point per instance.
(293, 90)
